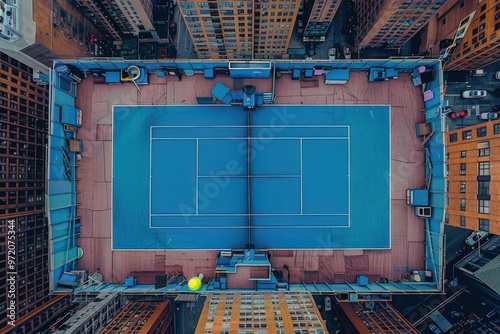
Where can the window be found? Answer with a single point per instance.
(483, 152)
(484, 225)
(462, 220)
(462, 204)
(453, 137)
(466, 134)
(496, 129)
(463, 154)
(481, 132)
(463, 166)
(484, 168)
(462, 186)
(484, 206)
(483, 187)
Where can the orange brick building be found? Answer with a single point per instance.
(277, 312)
(481, 44)
(240, 29)
(392, 23)
(473, 155)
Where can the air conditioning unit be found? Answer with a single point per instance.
(225, 253)
(39, 78)
(423, 211)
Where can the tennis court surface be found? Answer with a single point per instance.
(287, 177)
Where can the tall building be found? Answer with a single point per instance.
(320, 18)
(473, 157)
(437, 37)
(273, 312)
(240, 29)
(46, 33)
(480, 46)
(100, 12)
(371, 317)
(391, 23)
(149, 317)
(24, 267)
(119, 17)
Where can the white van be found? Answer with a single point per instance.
(347, 53)
(332, 53)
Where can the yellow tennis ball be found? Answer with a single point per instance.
(194, 283)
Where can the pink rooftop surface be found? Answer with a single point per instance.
(96, 99)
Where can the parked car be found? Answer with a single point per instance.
(497, 75)
(477, 73)
(457, 114)
(475, 237)
(433, 328)
(488, 115)
(496, 108)
(332, 52)
(473, 94)
(457, 314)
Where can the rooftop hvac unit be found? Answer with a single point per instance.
(39, 78)
(423, 211)
(225, 253)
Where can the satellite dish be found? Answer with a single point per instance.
(97, 278)
(134, 72)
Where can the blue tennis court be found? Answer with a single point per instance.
(211, 177)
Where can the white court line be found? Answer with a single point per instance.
(251, 138)
(349, 174)
(252, 227)
(301, 176)
(246, 126)
(150, 173)
(197, 169)
(244, 214)
(251, 176)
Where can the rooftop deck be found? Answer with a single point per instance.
(408, 170)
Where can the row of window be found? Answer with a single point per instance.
(482, 204)
(239, 4)
(483, 168)
(480, 132)
(483, 187)
(482, 152)
(278, 331)
(484, 224)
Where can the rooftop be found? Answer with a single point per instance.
(415, 242)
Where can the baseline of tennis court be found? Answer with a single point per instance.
(289, 179)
